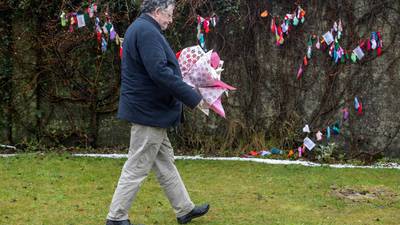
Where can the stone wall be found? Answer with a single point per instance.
(270, 106)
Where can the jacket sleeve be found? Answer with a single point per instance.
(155, 61)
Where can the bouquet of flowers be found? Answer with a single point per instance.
(202, 70)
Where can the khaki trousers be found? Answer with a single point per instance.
(149, 149)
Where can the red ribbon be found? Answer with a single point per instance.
(99, 37)
(359, 110)
(273, 26)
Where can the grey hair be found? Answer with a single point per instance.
(149, 6)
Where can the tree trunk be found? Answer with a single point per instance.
(8, 71)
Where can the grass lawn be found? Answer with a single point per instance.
(65, 190)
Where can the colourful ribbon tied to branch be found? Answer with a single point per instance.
(279, 27)
(203, 27)
(104, 34)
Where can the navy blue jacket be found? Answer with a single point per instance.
(152, 90)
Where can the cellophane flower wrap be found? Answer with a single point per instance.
(202, 70)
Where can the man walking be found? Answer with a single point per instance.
(152, 93)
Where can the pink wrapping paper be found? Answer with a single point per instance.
(200, 70)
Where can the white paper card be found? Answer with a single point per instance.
(359, 52)
(309, 143)
(328, 37)
(81, 21)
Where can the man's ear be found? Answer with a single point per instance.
(157, 11)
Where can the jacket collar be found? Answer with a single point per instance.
(147, 17)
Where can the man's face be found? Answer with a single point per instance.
(164, 16)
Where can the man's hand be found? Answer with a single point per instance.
(204, 107)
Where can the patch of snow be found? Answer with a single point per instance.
(258, 160)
